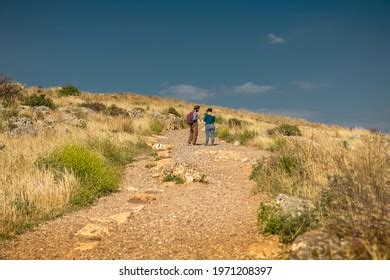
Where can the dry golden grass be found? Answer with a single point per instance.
(29, 194)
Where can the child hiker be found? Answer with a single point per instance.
(209, 120)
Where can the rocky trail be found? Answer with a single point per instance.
(211, 216)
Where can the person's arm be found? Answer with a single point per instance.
(195, 116)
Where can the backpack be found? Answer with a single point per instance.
(190, 118)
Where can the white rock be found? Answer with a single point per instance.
(189, 179)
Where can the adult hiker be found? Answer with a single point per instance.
(192, 120)
(209, 120)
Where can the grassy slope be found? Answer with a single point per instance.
(32, 194)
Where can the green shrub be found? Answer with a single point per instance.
(119, 154)
(69, 90)
(114, 111)
(286, 130)
(246, 136)
(220, 120)
(224, 134)
(233, 122)
(273, 220)
(39, 100)
(173, 111)
(289, 164)
(156, 126)
(96, 175)
(173, 178)
(278, 175)
(95, 106)
(278, 144)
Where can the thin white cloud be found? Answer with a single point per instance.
(186, 92)
(275, 40)
(250, 87)
(307, 85)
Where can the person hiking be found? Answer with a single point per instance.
(192, 120)
(209, 120)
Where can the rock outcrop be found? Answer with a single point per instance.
(21, 126)
(317, 245)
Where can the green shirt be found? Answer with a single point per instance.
(209, 119)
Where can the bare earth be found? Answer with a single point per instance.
(186, 221)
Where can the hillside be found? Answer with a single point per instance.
(108, 176)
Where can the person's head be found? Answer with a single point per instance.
(196, 108)
(209, 110)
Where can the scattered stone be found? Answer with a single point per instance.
(93, 231)
(161, 147)
(120, 218)
(163, 162)
(142, 198)
(42, 109)
(86, 246)
(131, 189)
(293, 206)
(189, 179)
(154, 191)
(317, 245)
(179, 170)
(156, 175)
(268, 248)
(237, 143)
(170, 121)
(136, 113)
(169, 184)
(21, 126)
(164, 154)
(149, 140)
(137, 208)
(2, 146)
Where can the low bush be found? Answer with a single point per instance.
(173, 111)
(286, 130)
(273, 220)
(118, 154)
(173, 178)
(97, 177)
(290, 164)
(277, 145)
(39, 100)
(280, 174)
(156, 126)
(114, 111)
(223, 133)
(69, 90)
(233, 122)
(95, 106)
(246, 135)
(220, 120)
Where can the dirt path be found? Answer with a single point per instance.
(216, 220)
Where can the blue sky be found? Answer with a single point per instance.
(326, 61)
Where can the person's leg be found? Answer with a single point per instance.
(212, 135)
(191, 134)
(194, 133)
(207, 131)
